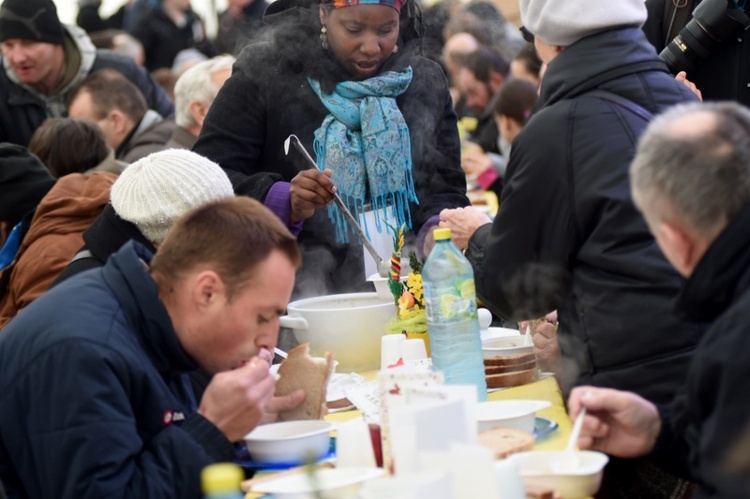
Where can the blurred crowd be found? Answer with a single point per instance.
(114, 129)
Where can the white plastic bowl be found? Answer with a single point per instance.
(337, 483)
(518, 414)
(381, 286)
(537, 468)
(508, 345)
(289, 441)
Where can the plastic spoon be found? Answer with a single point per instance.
(527, 337)
(569, 461)
(281, 353)
(383, 265)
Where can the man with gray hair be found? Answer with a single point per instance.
(691, 180)
(194, 93)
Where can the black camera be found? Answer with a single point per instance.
(713, 20)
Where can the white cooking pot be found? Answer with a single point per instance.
(349, 326)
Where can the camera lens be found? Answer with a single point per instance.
(713, 20)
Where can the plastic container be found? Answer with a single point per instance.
(452, 323)
(222, 481)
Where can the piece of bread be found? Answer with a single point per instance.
(505, 441)
(509, 369)
(510, 360)
(300, 370)
(518, 378)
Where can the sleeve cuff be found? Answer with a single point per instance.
(430, 224)
(279, 202)
(487, 178)
(209, 437)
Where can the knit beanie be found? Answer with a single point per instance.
(155, 191)
(24, 181)
(30, 20)
(564, 22)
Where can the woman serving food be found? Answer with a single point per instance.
(346, 77)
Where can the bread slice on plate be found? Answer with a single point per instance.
(509, 369)
(517, 378)
(505, 441)
(300, 370)
(510, 360)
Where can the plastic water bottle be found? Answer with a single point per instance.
(222, 481)
(452, 323)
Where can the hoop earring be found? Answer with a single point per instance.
(395, 49)
(324, 37)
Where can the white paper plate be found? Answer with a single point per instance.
(497, 332)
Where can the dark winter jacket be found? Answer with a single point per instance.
(712, 411)
(22, 110)
(162, 39)
(106, 235)
(257, 110)
(88, 411)
(567, 235)
(725, 73)
(150, 135)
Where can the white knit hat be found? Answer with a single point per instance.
(156, 190)
(564, 22)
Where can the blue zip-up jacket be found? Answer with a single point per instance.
(90, 391)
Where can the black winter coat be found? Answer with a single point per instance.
(92, 404)
(162, 39)
(712, 411)
(567, 235)
(725, 73)
(268, 98)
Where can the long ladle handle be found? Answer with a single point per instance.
(340, 202)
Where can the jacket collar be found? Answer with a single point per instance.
(126, 273)
(595, 60)
(722, 275)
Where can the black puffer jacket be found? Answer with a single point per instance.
(568, 236)
(268, 98)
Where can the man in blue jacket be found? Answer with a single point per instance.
(43, 60)
(92, 393)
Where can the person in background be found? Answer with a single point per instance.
(109, 390)
(24, 181)
(403, 147)
(118, 107)
(480, 78)
(144, 203)
(484, 21)
(515, 102)
(68, 145)
(238, 25)
(455, 50)
(43, 60)
(90, 20)
(119, 42)
(167, 29)
(691, 179)
(73, 151)
(195, 91)
(527, 66)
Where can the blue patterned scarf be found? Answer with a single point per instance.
(365, 142)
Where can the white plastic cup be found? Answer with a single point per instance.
(508, 476)
(413, 349)
(390, 349)
(354, 445)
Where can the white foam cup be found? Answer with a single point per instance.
(390, 349)
(413, 349)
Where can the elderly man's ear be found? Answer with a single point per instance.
(198, 110)
(679, 245)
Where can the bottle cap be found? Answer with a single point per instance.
(441, 234)
(222, 477)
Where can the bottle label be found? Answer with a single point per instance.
(450, 303)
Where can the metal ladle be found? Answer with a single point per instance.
(383, 265)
